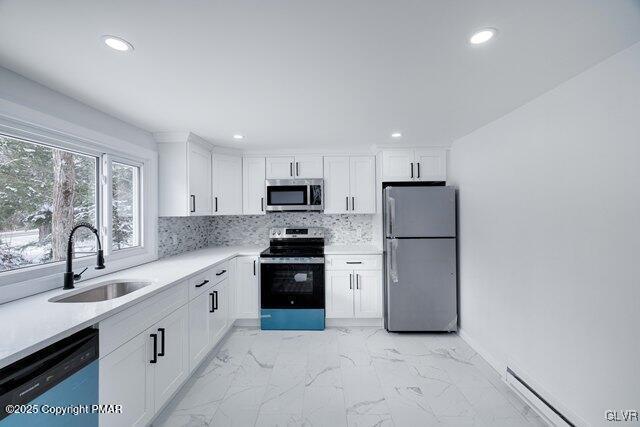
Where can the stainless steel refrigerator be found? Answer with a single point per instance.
(420, 258)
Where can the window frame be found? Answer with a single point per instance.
(107, 201)
(26, 281)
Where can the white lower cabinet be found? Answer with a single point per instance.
(175, 333)
(247, 287)
(199, 313)
(339, 294)
(219, 310)
(353, 292)
(172, 367)
(368, 294)
(126, 377)
(142, 376)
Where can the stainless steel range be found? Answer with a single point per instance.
(292, 280)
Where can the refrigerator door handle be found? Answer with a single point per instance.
(391, 206)
(393, 261)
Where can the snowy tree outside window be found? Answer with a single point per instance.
(44, 191)
(125, 207)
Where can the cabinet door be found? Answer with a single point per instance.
(126, 377)
(339, 294)
(253, 176)
(431, 164)
(368, 294)
(281, 167)
(172, 368)
(363, 184)
(199, 166)
(227, 185)
(248, 287)
(396, 165)
(336, 185)
(308, 167)
(199, 329)
(218, 319)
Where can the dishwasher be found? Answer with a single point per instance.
(56, 386)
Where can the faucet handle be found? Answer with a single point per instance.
(79, 275)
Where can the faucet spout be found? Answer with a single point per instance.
(69, 276)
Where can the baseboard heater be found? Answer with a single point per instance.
(531, 394)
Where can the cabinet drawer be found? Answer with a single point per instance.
(200, 282)
(120, 328)
(220, 272)
(353, 262)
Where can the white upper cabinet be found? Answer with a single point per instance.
(290, 167)
(396, 165)
(431, 164)
(308, 167)
(227, 184)
(422, 164)
(184, 175)
(362, 183)
(253, 176)
(199, 179)
(350, 184)
(336, 184)
(280, 167)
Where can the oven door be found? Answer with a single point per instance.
(292, 282)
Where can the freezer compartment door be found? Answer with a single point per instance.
(420, 211)
(420, 285)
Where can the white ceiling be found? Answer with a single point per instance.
(311, 74)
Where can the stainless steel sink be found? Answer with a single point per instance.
(102, 292)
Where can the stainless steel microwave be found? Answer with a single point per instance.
(294, 195)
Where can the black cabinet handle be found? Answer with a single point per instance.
(418, 169)
(215, 293)
(155, 348)
(353, 203)
(161, 330)
(350, 281)
(291, 168)
(297, 170)
(220, 273)
(357, 281)
(254, 267)
(193, 203)
(216, 199)
(212, 306)
(354, 262)
(262, 203)
(202, 284)
(347, 200)
(411, 169)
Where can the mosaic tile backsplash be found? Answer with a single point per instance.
(182, 234)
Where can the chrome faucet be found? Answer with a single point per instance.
(69, 276)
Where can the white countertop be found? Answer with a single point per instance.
(32, 323)
(352, 250)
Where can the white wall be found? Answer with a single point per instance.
(550, 238)
(26, 100)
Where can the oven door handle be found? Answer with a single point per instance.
(312, 260)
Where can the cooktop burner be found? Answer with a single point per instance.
(295, 242)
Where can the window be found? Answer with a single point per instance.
(125, 209)
(44, 191)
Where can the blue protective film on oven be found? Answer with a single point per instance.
(308, 319)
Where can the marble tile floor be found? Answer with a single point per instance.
(345, 377)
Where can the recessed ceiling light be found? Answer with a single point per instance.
(482, 36)
(117, 43)
(238, 136)
(396, 135)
